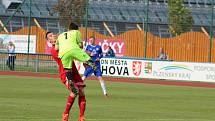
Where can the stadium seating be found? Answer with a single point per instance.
(128, 12)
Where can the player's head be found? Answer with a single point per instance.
(91, 40)
(161, 50)
(109, 48)
(50, 37)
(11, 43)
(73, 26)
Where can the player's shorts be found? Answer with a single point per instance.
(88, 71)
(75, 54)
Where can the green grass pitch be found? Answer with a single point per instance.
(44, 99)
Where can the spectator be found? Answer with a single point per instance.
(11, 56)
(162, 55)
(110, 52)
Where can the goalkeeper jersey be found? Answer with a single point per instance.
(68, 41)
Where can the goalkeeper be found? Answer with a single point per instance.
(69, 45)
(76, 80)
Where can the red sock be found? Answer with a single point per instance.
(70, 101)
(82, 105)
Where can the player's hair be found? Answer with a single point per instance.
(92, 37)
(47, 34)
(73, 26)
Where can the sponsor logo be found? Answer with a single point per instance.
(174, 71)
(116, 67)
(175, 67)
(136, 67)
(148, 67)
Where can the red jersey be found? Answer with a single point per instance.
(75, 74)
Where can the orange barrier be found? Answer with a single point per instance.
(191, 46)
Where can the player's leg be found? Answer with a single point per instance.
(102, 83)
(82, 56)
(13, 63)
(83, 78)
(87, 72)
(80, 84)
(76, 78)
(10, 62)
(70, 101)
(65, 81)
(7, 62)
(98, 74)
(90, 63)
(67, 64)
(81, 103)
(70, 78)
(85, 75)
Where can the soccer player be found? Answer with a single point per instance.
(76, 79)
(68, 44)
(95, 52)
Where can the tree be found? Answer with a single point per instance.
(180, 19)
(70, 11)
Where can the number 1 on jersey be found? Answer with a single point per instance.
(65, 35)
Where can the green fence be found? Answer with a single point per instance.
(29, 63)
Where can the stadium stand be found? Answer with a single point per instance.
(119, 15)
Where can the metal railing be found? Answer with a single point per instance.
(29, 63)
